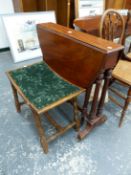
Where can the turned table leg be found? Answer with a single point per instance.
(92, 115)
(85, 105)
(104, 90)
(95, 117)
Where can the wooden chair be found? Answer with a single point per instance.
(122, 75)
(127, 55)
(110, 22)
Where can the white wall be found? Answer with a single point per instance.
(6, 7)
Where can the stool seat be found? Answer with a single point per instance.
(41, 86)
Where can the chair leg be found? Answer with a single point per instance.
(17, 103)
(127, 101)
(77, 120)
(41, 132)
(129, 50)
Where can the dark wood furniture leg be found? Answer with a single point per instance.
(105, 87)
(129, 50)
(43, 141)
(92, 116)
(17, 103)
(76, 112)
(41, 132)
(127, 101)
(60, 130)
(84, 110)
(95, 117)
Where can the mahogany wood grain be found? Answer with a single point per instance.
(24, 5)
(41, 5)
(118, 4)
(128, 4)
(115, 4)
(60, 44)
(111, 20)
(82, 59)
(64, 9)
(91, 25)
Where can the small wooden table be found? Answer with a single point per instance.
(82, 59)
(90, 24)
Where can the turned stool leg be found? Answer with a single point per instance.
(127, 101)
(41, 132)
(17, 103)
(76, 112)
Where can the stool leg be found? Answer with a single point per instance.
(41, 132)
(77, 120)
(17, 103)
(127, 101)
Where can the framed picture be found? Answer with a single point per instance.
(89, 7)
(22, 34)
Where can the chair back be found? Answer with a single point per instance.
(127, 23)
(126, 27)
(110, 22)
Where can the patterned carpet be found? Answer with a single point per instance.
(106, 151)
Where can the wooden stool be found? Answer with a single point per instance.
(42, 90)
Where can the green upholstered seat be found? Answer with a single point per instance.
(41, 85)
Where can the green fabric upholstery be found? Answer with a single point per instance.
(41, 85)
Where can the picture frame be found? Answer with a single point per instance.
(89, 8)
(22, 34)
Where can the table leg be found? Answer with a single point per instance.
(93, 119)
